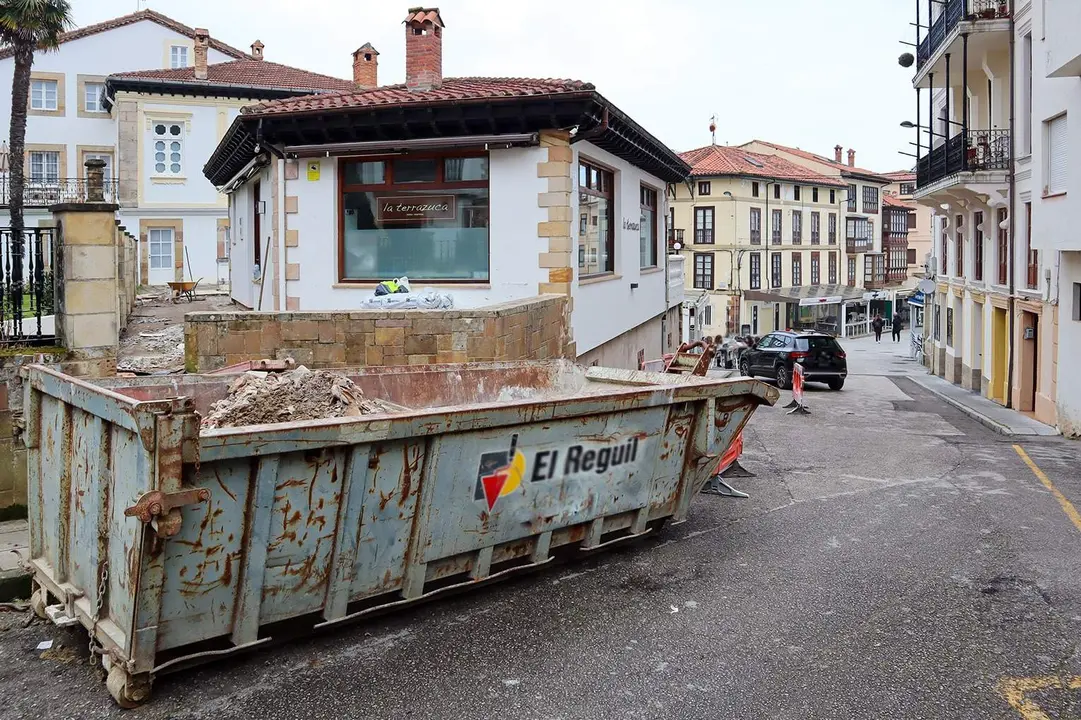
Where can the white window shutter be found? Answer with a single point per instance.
(1056, 155)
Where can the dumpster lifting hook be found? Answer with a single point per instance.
(164, 507)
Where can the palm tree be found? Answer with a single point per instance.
(25, 26)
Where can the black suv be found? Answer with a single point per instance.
(774, 356)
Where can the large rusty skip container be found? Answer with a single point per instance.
(174, 546)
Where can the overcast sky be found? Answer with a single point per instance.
(807, 74)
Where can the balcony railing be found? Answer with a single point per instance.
(978, 150)
(859, 245)
(43, 193)
(953, 13)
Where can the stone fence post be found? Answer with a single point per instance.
(88, 305)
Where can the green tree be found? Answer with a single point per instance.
(25, 26)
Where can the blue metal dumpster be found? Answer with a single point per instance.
(174, 546)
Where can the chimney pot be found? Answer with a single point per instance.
(366, 67)
(257, 50)
(423, 49)
(851, 158)
(837, 153)
(202, 47)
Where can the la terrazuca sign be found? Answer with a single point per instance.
(500, 473)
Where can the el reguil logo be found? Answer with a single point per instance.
(501, 472)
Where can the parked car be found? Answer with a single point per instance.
(776, 354)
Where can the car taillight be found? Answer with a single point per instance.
(797, 355)
(841, 355)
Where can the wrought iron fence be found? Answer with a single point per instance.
(26, 286)
(43, 193)
(953, 12)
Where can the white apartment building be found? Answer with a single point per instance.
(993, 319)
(1051, 135)
(151, 97)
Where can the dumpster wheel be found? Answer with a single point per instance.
(37, 602)
(128, 690)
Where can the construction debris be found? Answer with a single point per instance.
(260, 398)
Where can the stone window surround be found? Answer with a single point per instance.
(167, 51)
(177, 226)
(80, 105)
(62, 170)
(61, 95)
(155, 116)
(81, 151)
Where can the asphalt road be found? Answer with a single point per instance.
(895, 560)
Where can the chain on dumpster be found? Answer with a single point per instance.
(97, 650)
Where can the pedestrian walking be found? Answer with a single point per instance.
(877, 324)
(897, 322)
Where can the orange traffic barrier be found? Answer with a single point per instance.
(731, 455)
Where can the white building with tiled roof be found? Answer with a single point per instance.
(151, 97)
(489, 189)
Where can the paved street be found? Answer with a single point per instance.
(896, 560)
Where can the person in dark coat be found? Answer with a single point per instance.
(897, 322)
(877, 324)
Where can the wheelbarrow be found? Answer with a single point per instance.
(184, 289)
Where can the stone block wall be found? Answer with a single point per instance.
(532, 329)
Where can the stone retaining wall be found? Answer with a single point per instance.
(533, 329)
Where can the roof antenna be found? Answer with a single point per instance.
(713, 130)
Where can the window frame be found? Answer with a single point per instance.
(440, 184)
(707, 259)
(871, 200)
(754, 188)
(705, 210)
(165, 137)
(816, 268)
(795, 192)
(776, 233)
(776, 191)
(705, 188)
(57, 80)
(853, 190)
(797, 227)
(832, 272)
(978, 240)
(816, 227)
(814, 194)
(755, 271)
(1032, 257)
(755, 227)
(1049, 126)
(644, 191)
(851, 272)
(173, 57)
(44, 155)
(776, 277)
(84, 95)
(797, 269)
(1003, 249)
(832, 230)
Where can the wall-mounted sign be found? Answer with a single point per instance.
(831, 300)
(313, 171)
(629, 225)
(410, 208)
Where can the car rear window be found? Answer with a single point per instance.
(816, 343)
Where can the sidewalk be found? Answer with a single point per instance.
(14, 550)
(986, 412)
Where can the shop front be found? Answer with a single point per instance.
(812, 307)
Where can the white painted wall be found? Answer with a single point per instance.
(607, 309)
(513, 242)
(602, 310)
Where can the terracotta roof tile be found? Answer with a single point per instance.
(422, 15)
(452, 89)
(248, 73)
(133, 18)
(901, 176)
(714, 160)
(843, 167)
(892, 201)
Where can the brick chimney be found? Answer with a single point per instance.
(366, 67)
(202, 46)
(257, 50)
(851, 158)
(837, 153)
(423, 49)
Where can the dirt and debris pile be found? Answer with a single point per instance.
(259, 398)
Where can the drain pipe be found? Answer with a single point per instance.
(1012, 344)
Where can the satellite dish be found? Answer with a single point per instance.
(926, 286)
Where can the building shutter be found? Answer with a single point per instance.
(1056, 155)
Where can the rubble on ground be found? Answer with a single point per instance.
(260, 398)
(159, 349)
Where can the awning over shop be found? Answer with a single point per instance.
(806, 295)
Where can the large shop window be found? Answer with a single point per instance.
(596, 208)
(425, 217)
